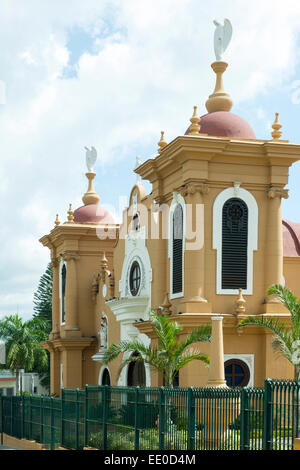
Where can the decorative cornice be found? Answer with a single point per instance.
(63, 344)
(274, 191)
(193, 188)
(68, 256)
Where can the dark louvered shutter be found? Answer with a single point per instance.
(63, 291)
(234, 244)
(177, 249)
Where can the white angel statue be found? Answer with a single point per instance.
(222, 37)
(91, 157)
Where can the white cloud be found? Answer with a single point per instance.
(151, 64)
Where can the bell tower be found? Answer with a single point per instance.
(76, 248)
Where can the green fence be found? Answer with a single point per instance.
(138, 418)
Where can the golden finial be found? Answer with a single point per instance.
(162, 143)
(166, 306)
(219, 100)
(90, 197)
(104, 262)
(70, 215)
(276, 134)
(57, 221)
(194, 127)
(240, 304)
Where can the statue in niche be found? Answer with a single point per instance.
(103, 333)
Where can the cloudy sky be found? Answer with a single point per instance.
(113, 74)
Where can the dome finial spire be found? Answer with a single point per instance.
(220, 100)
(194, 128)
(276, 134)
(162, 143)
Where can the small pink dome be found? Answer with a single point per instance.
(291, 238)
(225, 124)
(92, 214)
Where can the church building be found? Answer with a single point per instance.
(207, 241)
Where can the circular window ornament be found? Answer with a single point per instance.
(135, 278)
(237, 373)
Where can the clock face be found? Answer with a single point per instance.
(104, 290)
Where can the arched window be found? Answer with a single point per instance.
(63, 275)
(105, 377)
(237, 373)
(177, 250)
(135, 278)
(234, 244)
(235, 238)
(136, 373)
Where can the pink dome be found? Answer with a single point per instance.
(225, 124)
(93, 214)
(291, 238)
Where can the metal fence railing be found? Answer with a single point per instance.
(138, 418)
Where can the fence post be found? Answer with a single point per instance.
(244, 421)
(30, 418)
(62, 417)
(22, 416)
(77, 420)
(86, 408)
(162, 418)
(51, 424)
(136, 420)
(41, 419)
(1, 399)
(11, 416)
(105, 415)
(191, 419)
(268, 416)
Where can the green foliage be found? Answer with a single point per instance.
(181, 419)
(285, 337)
(22, 339)
(147, 419)
(43, 310)
(170, 355)
(43, 298)
(122, 438)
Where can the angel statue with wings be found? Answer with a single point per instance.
(222, 37)
(91, 157)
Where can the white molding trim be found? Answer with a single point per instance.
(220, 200)
(177, 199)
(248, 359)
(129, 309)
(101, 374)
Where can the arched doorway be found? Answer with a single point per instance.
(136, 375)
(105, 377)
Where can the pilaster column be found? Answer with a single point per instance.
(194, 257)
(71, 326)
(55, 299)
(274, 248)
(216, 374)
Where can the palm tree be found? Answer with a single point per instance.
(23, 348)
(286, 339)
(170, 355)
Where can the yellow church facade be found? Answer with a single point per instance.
(207, 241)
